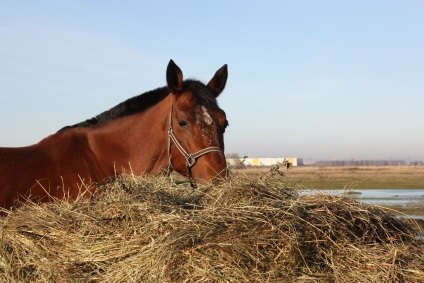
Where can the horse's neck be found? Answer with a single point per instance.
(133, 144)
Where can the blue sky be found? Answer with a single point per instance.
(310, 79)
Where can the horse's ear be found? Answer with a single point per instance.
(174, 77)
(217, 83)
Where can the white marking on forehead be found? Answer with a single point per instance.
(205, 121)
(206, 117)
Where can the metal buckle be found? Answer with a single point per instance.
(190, 160)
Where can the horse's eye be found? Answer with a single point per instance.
(183, 124)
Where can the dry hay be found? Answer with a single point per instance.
(147, 230)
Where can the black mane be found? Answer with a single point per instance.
(139, 103)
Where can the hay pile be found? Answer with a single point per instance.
(147, 230)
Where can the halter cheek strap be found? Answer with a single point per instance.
(190, 158)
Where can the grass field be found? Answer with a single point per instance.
(351, 178)
(346, 177)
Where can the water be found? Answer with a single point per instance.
(391, 197)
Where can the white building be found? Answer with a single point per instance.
(264, 162)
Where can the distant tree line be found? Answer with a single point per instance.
(351, 162)
(367, 163)
(233, 156)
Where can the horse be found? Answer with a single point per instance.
(178, 127)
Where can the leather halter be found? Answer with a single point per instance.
(190, 158)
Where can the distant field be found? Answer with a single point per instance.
(358, 177)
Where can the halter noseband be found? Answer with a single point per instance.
(190, 158)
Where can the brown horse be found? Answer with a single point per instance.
(178, 127)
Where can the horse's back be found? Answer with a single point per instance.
(54, 167)
(17, 172)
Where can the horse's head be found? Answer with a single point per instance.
(197, 125)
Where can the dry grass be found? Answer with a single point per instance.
(147, 230)
(359, 177)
